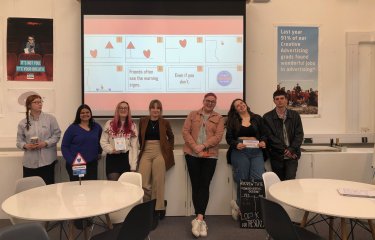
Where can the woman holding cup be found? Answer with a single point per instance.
(37, 136)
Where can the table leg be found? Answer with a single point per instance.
(304, 219)
(371, 226)
(70, 230)
(330, 230)
(344, 232)
(109, 222)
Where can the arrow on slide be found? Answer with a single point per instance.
(109, 46)
(130, 46)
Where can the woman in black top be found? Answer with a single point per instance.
(246, 138)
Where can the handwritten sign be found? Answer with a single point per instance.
(250, 191)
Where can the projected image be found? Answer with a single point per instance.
(162, 57)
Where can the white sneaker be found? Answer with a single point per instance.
(235, 210)
(195, 227)
(203, 229)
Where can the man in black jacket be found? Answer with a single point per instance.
(284, 137)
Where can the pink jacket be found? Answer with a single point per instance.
(214, 132)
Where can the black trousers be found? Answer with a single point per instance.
(201, 171)
(46, 172)
(91, 172)
(285, 169)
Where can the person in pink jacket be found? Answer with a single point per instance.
(202, 132)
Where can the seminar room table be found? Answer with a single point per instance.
(70, 200)
(321, 196)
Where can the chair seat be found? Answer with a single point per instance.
(305, 234)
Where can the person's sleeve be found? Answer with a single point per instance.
(230, 138)
(65, 145)
(216, 139)
(272, 141)
(104, 139)
(21, 138)
(186, 131)
(262, 130)
(56, 133)
(139, 132)
(133, 151)
(100, 150)
(298, 134)
(170, 135)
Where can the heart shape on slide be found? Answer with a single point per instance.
(94, 53)
(183, 43)
(147, 53)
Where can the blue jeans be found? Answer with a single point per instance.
(246, 164)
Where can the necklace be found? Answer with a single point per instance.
(154, 125)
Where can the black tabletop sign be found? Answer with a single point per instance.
(250, 191)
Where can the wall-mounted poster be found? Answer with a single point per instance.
(30, 49)
(297, 67)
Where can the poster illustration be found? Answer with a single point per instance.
(297, 67)
(30, 49)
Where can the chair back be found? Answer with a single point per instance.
(276, 221)
(128, 177)
(131, 177)
(24, 184)
(269, 178)
(27, 183)
(138, 223)
(24, 231)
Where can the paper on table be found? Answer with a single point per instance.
(356, 192)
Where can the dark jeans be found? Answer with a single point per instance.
(46, 172)
(201, 171)
(91, 172)
(285, 169)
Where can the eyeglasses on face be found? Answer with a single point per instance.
(37, 102)
(31, 39)
(123, 108)
(210, 102)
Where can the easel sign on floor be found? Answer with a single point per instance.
(251, 215)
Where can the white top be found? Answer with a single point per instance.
(69, 200)
(47, 130)
(321, 196)
(108, 145)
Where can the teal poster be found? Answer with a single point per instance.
(297, 66)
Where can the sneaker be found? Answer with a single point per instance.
(195, 227)
(203, 229)
(235, 210)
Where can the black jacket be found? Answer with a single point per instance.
(232, 135)
(275, 139)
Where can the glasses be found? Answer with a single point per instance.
(30, 39)
(123, 108)
(210, 102)
(37, 102)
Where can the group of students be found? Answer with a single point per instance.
(251, 138)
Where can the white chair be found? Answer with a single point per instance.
(127, 177)
(24, 184)
(269, 178)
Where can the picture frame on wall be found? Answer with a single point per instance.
(29, 49)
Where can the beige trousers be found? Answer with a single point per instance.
(152, 168)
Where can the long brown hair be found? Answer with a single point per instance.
(28, 103)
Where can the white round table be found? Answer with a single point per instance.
(70, 200)
(321, 196)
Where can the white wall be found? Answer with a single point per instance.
(334, 18)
